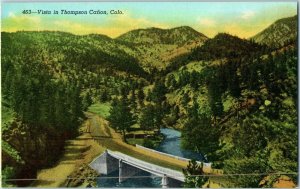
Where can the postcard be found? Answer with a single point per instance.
(149, 94)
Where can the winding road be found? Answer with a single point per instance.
(109, 139)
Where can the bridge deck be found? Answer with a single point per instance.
(154, 169)
(112, 140)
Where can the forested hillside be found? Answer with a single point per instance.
(234, 100)
(281, 32)
(48, 81)
(155, 47)
(244, 114)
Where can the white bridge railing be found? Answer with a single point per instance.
(154, 169)
(208, 165)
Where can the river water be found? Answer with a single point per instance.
(170, 145)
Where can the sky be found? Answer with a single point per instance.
(243, 19)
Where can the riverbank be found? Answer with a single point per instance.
(78, 153)
(72, 169)
(108, 138)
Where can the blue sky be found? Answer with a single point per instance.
(243, 19)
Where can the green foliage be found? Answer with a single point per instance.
(102, 109)
(7, 173)
(87, 100)
(8, 116)
(259, 127)
(225, 45)
(120, 117)
(178, 36)
(151, 117)
(148, 143)
(13, 153)
(281, 33)
(71, 51)
(266, 140)
(141, 95)
(206, 141)
(157, 95)
(194, 175)
(244, 96)
(221, 46)
(249, 168)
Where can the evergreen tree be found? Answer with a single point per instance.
(140, 95)
(194, 175)
(148, 118)
(206, 141)
(185, 100)
(87, 100)
(120, 117)
(158, 92)
(104, 96)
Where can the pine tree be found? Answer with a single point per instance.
(121, 117)
(87, 100)
(140, 95)
(199, 135)
(148, 118)
(194, 175)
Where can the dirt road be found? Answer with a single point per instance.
(79, 151)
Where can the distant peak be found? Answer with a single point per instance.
(178, 35)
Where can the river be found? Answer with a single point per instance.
(170, 145)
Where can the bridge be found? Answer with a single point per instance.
(128, 166)
(141, 159)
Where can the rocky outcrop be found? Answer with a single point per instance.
(83, 176)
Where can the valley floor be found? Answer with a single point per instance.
(95, 138)
(79, 151)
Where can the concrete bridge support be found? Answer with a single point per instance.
(164, 182)
(167, 182)
(109, 162)
(173, 183)
(105, 164)
(126, 171)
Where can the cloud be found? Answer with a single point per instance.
(247, 14)
(126, 23)
(112, 26)
(20, 22)
(11, 15)
(207, 22)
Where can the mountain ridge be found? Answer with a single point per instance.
(279, 33)
(163, 36)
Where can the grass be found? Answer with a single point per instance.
(101, 109)
(134, 141)
(114, 142)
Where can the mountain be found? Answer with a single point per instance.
(222, 46)
(123, 53)
(155, 47)
(225, 91)
(177, 36)
(279, 33)
(88, 51)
